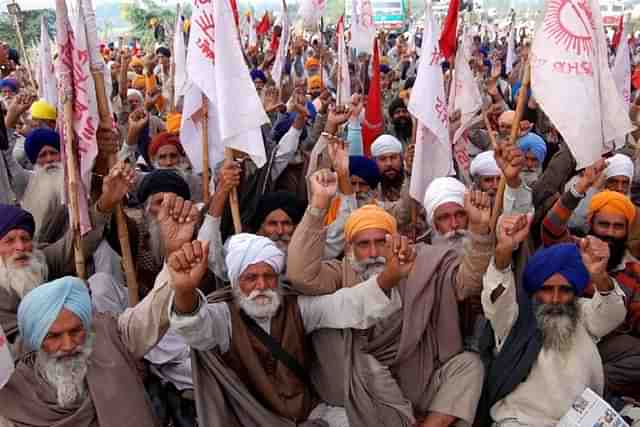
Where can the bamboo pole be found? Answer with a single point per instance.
(72, 189)
(23, 52)
(172, 100)
(233, 199)
(205, 149)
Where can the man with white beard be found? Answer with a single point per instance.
(229, 334)
(542, 350)
(82, 368)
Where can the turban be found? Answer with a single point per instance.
(440, 191)
(136, 93)
(367, 218)
(244, 250)
(532, 142)
(162, 139)
(164, 51)
(41, 307)
(173, 122)
(257, 74)
(366, 169)
(384, 68)
(42, 110)
(396, 104)
(136, 62)
(12, 218)
(139, 83)
(311, 62)
(563, 259)
(270, 202)
(37, 139)
(162, 181)
(282, 126)
(619, 165)
(9, 83)
(484, 164)
(314, 83)
(613, 202)
(386, 144)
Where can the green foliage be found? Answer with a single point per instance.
(30, 27)
(140, 13)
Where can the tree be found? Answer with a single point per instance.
(141, 15)
(30, 27)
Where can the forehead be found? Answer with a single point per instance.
(48, 149)
(16, 233)
(168, 149)
(65, 321)
(387, 156)
(259, 268)
(356, 178)
(530, 155)
(618, 178)
(449, 208)
(278, 216)
(610, 217)
(369, 235)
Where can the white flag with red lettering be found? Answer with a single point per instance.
(6, 360)
(433, 156)
(572, 82)
(343, 77)
(622, 70)
(47, 82)
(283, 47)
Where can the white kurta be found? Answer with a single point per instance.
(555, 379)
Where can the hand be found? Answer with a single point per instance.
(187, 267)
(115, 186)
(324, 185)
(477, 204)
(595, 256)
(512, 230)
(357, 104)
(337, 117)
(229, 176)
(137, 121)
(401, 256)
(339, 156)
(20, 105)
(510, 160)
(590, 176)
(409, 155)
(271, 102)
(177, 220)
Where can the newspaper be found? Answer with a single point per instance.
(590, 410)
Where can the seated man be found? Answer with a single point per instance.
(542, 346)
(251, 355)
(82, 370)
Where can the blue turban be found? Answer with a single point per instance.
(366, 169)
(384, 68)
(12, 218)
(282, 126)
(41, 307)
(257, 74)
(10, 83)
(564, 259)
(534, 143)
(37, 139)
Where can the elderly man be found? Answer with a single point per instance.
(542, 347)
(387, 152)
(610, 215)
(8, 89)
(259, 79)
(82, 370)
(485, 173)
(421, 358)
(251, 352)
(535, 150)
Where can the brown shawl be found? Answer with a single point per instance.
(9, 302)
(116, 394)
(395, 360)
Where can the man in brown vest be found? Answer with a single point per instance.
(252, 355)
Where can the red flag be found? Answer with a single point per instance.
(449, 36)
(234, 9)
(264, 25)
(615, 41)
(372, 127)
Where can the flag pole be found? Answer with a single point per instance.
(233, 198)
(205, 149)
(172, 100)
(23, 51)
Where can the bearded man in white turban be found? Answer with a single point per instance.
(251, 352)
(387, 151)
(485, 173)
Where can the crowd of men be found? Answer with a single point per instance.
(344, 302)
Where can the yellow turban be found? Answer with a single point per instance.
(139, 83)
(136, 62)
(366, 218)
(42, 110)
(173, 122)
(311, 63)
(614, 203)
(314, 83)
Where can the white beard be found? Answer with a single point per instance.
(44, 195)
(67, 375)
(182, 169)
(369, 267)
(558, 325)
(156, 244)
(24, 279)
(259, 305)
(455, 238)
(530, 177)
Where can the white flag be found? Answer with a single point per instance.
(310, 12)
(253, 35)
(6, 361)
(433, 157)
(47, 82)
(622, 71)
(511, 49)
(465, 94)
(572, 82)
(179, 59)
(363, 29)
(283, 47)
(343, 77)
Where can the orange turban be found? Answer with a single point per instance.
(173, 122)
(366, 218)
(136, 62)
(162, 139)
(139, 83)
(314, 83)
(614, 203)
(311, 62)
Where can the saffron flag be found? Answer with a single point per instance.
(373, 125)
(570, 68)
(6, 360)
(283, 47)
(343, 77)
(47, 82)
(449, 36)
(433, 154)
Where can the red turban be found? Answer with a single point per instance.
(162, 139)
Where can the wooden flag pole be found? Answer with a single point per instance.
(172, 100)
(23, 52)
(72, 188)
(205, 149)
(233, 199)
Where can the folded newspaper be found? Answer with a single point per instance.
(590, 410)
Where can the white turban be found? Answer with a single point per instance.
(619, 165)
(136, 93)
(244, 250)
(386, 144)
(484, 164)
(441, 191)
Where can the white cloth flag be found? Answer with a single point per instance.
(253, 35)
(283, 47)
(47, 82)
(622, 71)
(465, 94)
(571, 80)
(215, 51)
(511, 49)
(310, 12)
(363, 29)
(433, 155)
(6, 361)
(343, 77)
(179, 60)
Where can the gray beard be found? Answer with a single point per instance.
(454, 238)
(156, 244)
(181, 169)
(367, 268)
(256, 304)
(43, 196)
(530, 177)
(24, 279)
(558, 323)
(66, 375)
